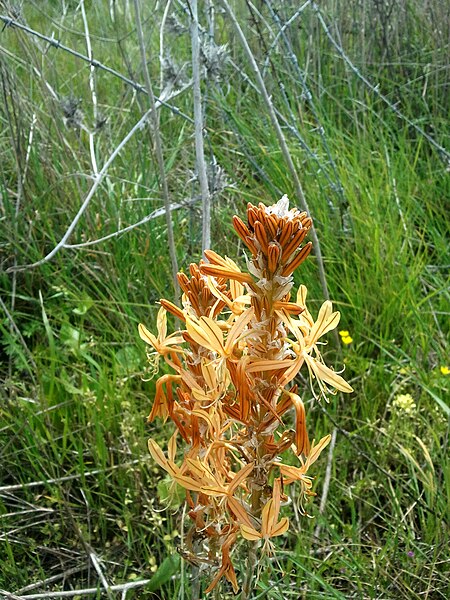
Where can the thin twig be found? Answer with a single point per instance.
(9, 22)
(97, 180)
(306, 93)
(198, 120)
(159, 150)
(92, 88)
(98, 568)
(159, 212)
(375, 88)
(52, 579)
(282, 141)
(31, 484)
(161, 42)
(283, 28)
(70, 593)
(326, 483)
(95, 185)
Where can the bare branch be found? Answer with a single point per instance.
(281, 140)
(9, 22)
(159, 151)
(326, 482)
(198, 119)
(31, 484)
(92, 88)
(159, 212)
(95, 185)
(375, 88)
(71, 593)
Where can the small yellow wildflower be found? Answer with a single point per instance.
(445, 370)
(346, 337)
(404, 403)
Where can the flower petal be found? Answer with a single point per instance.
(250, 534)
(326, 374)
(326, 321)
(206, 333)
(281, 527)
(147, 336)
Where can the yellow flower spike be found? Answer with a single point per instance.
(404, 403)
(445, 370)
(347, 339)
(344, 333)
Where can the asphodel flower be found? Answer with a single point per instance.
(230, 388)
(162, 344)
(270, 526)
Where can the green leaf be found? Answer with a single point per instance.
(168, 568)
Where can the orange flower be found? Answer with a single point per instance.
(227, 391)
(270, 526)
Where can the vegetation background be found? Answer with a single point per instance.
(360, 90)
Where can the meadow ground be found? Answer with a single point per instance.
(360, 91)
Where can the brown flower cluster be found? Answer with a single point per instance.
(233, 366)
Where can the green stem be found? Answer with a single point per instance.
(249, 579)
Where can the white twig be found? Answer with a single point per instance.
(326, 483)
(31, 484)
(281, 140)
(159, 212)
(52, 579)
(159, 151)
(70, 593)
(97, 567)
(198, 120)
(92, 88)
(161, 43)
(97, 180)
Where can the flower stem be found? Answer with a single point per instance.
(249, 579)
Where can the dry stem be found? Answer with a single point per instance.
(158, 149)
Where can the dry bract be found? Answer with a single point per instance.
(243, 344)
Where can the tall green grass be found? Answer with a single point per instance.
(75, 475)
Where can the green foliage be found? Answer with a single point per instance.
(74, 469)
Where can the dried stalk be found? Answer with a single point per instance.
(198, 121)
(249, 578)
(9, 22)
(281, 140)
(158, 149)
